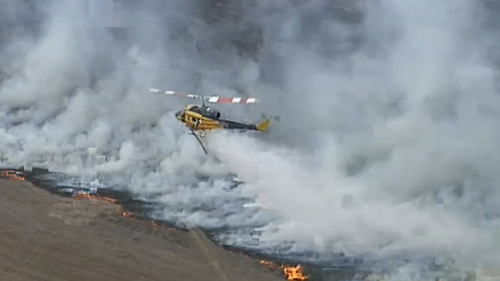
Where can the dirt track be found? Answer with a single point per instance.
(47, 237)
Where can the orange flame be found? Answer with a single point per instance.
(12, 175)
(95, 197)
(270, 265)
(292, 273)
(127, 214)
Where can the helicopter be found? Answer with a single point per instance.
(200, 118)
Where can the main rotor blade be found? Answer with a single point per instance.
(216, 99)
(172, 93)
(210, 99)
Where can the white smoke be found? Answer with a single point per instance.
(388, 139)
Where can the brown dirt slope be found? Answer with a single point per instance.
(47, 237)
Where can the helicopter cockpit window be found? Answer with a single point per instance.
(195, 109)
(213, 113)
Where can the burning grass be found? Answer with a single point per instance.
(12, 175)
(80, 196)
(292, 273)
(121, 211)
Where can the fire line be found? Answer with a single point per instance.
(12, 175)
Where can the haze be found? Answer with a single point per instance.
(388, 140)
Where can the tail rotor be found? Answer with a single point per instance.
(271, 117)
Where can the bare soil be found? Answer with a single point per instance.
(47, 237)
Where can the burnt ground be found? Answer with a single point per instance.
(44, 236)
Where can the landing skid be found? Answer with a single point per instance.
(198, 138)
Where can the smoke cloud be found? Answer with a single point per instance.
(387, 144)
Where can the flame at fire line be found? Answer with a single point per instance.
(124, 213)
(94, 197)
(12, 175)
(292, 273)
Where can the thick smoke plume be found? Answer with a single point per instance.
(387, 144)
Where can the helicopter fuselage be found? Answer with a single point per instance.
(202, 118)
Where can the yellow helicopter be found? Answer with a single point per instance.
(202, 118)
